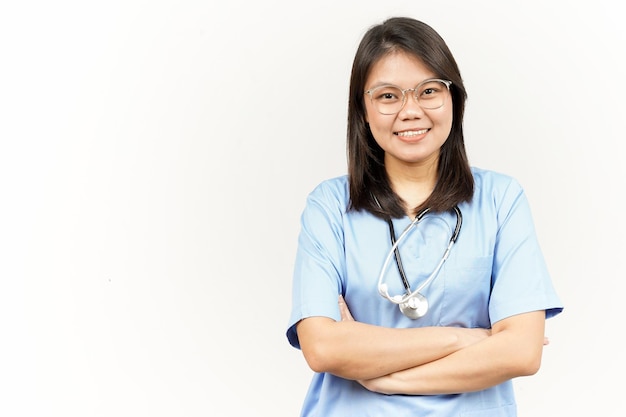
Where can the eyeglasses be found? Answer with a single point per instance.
(429, 94)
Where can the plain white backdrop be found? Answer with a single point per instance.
(154, 161)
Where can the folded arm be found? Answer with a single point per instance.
(514, 349)
(360, 351)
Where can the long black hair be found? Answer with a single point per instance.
(366, 168)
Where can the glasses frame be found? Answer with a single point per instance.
(447, 83)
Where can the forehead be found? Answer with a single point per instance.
(399, 68)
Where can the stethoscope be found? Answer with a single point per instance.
(413, 304)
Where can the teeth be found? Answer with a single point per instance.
(412, 133)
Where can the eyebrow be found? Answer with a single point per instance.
(382, 84)
(388, 84)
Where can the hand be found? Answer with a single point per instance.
(343, 309)
(369, 384)
(380, 385)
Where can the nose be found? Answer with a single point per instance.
(411, 106)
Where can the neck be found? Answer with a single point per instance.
(413, 184)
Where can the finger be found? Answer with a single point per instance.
(343, 309)
(546, 341)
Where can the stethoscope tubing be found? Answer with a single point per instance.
(401, 299)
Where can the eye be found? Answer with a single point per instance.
(387, 94)
(431, 89)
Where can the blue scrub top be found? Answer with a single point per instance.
(495, 270)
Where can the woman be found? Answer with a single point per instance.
(381, 312)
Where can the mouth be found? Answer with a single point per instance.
(411, 133)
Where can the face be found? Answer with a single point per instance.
(413, 136)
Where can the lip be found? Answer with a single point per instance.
(411, 135)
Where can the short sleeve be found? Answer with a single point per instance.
(320, 259)
(520, 277)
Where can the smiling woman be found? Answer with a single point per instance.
(409, 131)
(467, 328)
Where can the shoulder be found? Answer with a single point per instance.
(332, 191)
(326, 206)
(493, 183)
(499, 194)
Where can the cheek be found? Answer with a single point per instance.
(448, 121)
(376, 128)
(450, 112)
(444, 119)
(378, 122)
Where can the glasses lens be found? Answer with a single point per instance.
(387, 99)
(431, 94)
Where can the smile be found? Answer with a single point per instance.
(411, 133)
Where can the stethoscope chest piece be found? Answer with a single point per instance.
(415, 307)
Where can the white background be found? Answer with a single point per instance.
(155, 157)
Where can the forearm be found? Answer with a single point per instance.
(505, 355)
(356, 350)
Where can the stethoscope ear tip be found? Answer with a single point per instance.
(383, 290)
